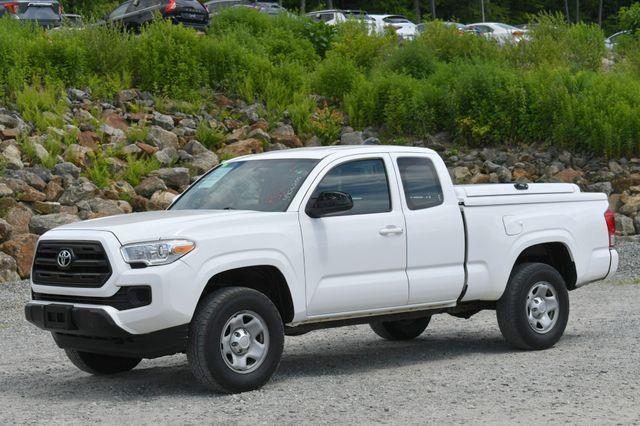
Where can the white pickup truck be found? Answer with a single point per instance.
(287, 242)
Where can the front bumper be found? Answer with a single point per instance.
(173, 295)
(93, 330)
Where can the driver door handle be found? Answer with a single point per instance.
(391, 230)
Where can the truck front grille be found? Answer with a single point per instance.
(125, 298)
(87, 266)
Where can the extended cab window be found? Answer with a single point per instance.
(420, 182)
(364, 180)
(261, 185)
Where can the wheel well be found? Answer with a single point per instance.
(264, 278)
(553, 254)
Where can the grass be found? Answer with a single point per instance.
(137, 168)
(211, 138)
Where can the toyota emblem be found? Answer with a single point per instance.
(64, 258)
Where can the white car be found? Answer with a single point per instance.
(611, 41)
(337, 16)
(405, 29)
(287, 242)
(502, 33)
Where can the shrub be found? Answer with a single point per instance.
(99, 171)
(138, 168)
(42, 105)
(211, 138)
(448, 44)
(413, 59)
(353, 41)
(335, 77)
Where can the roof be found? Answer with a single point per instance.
(325, 151)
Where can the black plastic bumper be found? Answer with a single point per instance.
(93, 330)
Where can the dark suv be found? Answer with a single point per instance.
(47, 14)
(133, 14)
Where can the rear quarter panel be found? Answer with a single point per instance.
(578, 224)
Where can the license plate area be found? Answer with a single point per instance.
(58, 317)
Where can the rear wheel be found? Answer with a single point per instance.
(99, 364)
(400, 329)
(534, 309)
(236, 340)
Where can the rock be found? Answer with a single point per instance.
(244, 147)
(66, 168)
(77, 95)
(194, 147)
(250, 112)
(371, 141)
(81, 190)
(46, 207)
(236, 135)
(166, 157)
(149, 186)
(188, 122)
(480, 178)
(43, 223)
(605, 187)
(163, 120)
(9, 121)
(203, 162)
(18, 217)
(100, 207)
(114, 120)
(128, 95)
(5, 191)
(122, 187)
(89, 139)
(630, 204)
(6, 230)
(259, 134)
(162, 138)
(163, 198)
(461, 174)
(124, 206)
(131, 149)
(313, 141)
(23, 191)
(112, 131)
(77, 154)
(285, 135)
(175, 177)
(622, 184)
(624, 225)
(567, 175)
(615, 167)
(351, 138)
(12, 157)
(8, 269)
(28, 177)
(53, 191)
(9, 133)
(274, 147)
(22, 249)
(146, 148)
(504, 175)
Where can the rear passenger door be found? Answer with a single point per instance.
(356, 260)
(435, 230)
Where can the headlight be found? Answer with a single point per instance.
(154, 253)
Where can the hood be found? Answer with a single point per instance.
(155, 225)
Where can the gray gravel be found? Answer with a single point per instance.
(459, 371)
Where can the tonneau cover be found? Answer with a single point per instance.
(491, 190)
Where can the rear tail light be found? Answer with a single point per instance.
(610, 218)
(11, 8)
(517, 33)
(171, 6)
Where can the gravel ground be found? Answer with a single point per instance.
(459, 371)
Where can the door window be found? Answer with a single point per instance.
(366, 182)
(420, 181)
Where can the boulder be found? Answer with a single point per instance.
(28, 177)
(236, 135)
(46, 207)
(23, 192)
(259, 134)
(630, 204)
(203, 162)
(5, 230)
(128, 95)
(53, 191)
(194, 147)
(167, 156)
(149, 186)
(285, 135)
(81, 190)
(624, 225)
(162, 138)
(5, 191)
(18, 216)
(99, 207)
(66, 168)
(163, 120)
(146, 148)
(605, 187)
(244, 147)
(174, 177)
(114, 120)
(42, 223)
(8, 269)
(461, 174)
(351, 138)
(163, 199)
(12, 157)
(21, 248)
(89, 139)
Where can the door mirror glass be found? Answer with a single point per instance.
(329, 202)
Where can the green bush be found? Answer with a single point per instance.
(448, 44)
(335, 77)
(413, 59)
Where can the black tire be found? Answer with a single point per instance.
(101, 365)
(205, 340)
(512, 310)
(400, 329)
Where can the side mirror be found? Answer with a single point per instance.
(136, 3)
(329, 202)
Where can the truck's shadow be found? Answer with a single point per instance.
(337, 357)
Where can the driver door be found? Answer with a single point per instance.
(355, 260)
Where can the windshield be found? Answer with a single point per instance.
(261, 185)
(506, 27)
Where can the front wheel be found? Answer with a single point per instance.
(99, 364)
(400, 329)
(534, 309)
(236, 340)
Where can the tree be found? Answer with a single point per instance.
(433, 9)
(416, 8)
(600, 14)
(303, 6)
(566, 11)
(577, 11)
(329, 4)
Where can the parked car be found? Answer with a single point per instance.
(288, 242)
(47, 14)
(133, 14)
(462, 28)
(269, 8)
(215, 6)
(502, 33)
(611, 41)
(402, 26)
(335, 17)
